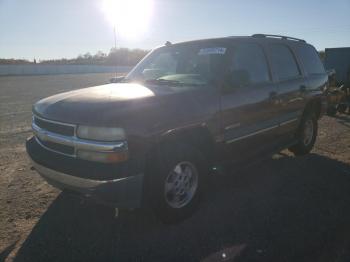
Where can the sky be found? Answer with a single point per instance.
(51, 29)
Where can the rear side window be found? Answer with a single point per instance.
(310, 59)
(250, 59)
(283, 62)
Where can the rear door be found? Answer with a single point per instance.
(292, 86)
(316, 75)
(249, 114)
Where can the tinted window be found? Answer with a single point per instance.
(310, 59)
(250, 59)
(283, 62)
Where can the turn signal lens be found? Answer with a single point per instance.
(104, 157)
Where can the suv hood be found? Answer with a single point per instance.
(99, 105)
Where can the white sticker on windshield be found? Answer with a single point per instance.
(212, 51)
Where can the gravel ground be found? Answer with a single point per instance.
(280, 209)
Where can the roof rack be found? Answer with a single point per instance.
(278, 36)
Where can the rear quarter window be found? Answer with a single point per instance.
(310, 59)
(283, 62)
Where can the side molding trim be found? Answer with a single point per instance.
(261, 130)
(251, 134)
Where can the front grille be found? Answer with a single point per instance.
(68, 150)
(62, 129)
(78, 167)
(54, 127)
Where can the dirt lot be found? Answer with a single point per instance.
(281, 209)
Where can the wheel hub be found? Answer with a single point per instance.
(181, 184)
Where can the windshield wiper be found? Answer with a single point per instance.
(126, 80)
(163, 82)
(170, 82)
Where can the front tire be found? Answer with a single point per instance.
(176, 182)
(306, 135)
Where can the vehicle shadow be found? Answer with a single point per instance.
(4, 254)
(284, 209)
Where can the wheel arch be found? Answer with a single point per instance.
(314, 105)
(197, 136)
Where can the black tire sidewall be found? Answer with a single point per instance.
(332, 111)
(300, 148)
(341, 108)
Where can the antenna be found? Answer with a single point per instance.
(115, 50)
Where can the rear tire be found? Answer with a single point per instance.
(342, 108)
(331, 111)
(175, 182)
(306, 135)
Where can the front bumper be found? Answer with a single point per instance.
(124, 192)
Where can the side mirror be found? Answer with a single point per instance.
(236, 79)
(116, 79)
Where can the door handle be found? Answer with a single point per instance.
(273, 95)
(275, 98)
(302, 88)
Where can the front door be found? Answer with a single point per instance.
(249, 108)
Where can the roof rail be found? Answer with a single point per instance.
(278, 36)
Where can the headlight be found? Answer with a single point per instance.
(101, 133)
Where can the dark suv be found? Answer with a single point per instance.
(153, 137)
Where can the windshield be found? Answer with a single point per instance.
(178, 65)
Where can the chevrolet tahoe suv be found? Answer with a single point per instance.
(152, 137)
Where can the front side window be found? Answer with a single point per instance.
(283, 62)
(249, 64)
(310, 59)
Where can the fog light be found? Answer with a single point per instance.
(104, 157)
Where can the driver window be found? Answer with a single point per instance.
(249, 66)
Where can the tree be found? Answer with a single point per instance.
(120, 57)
